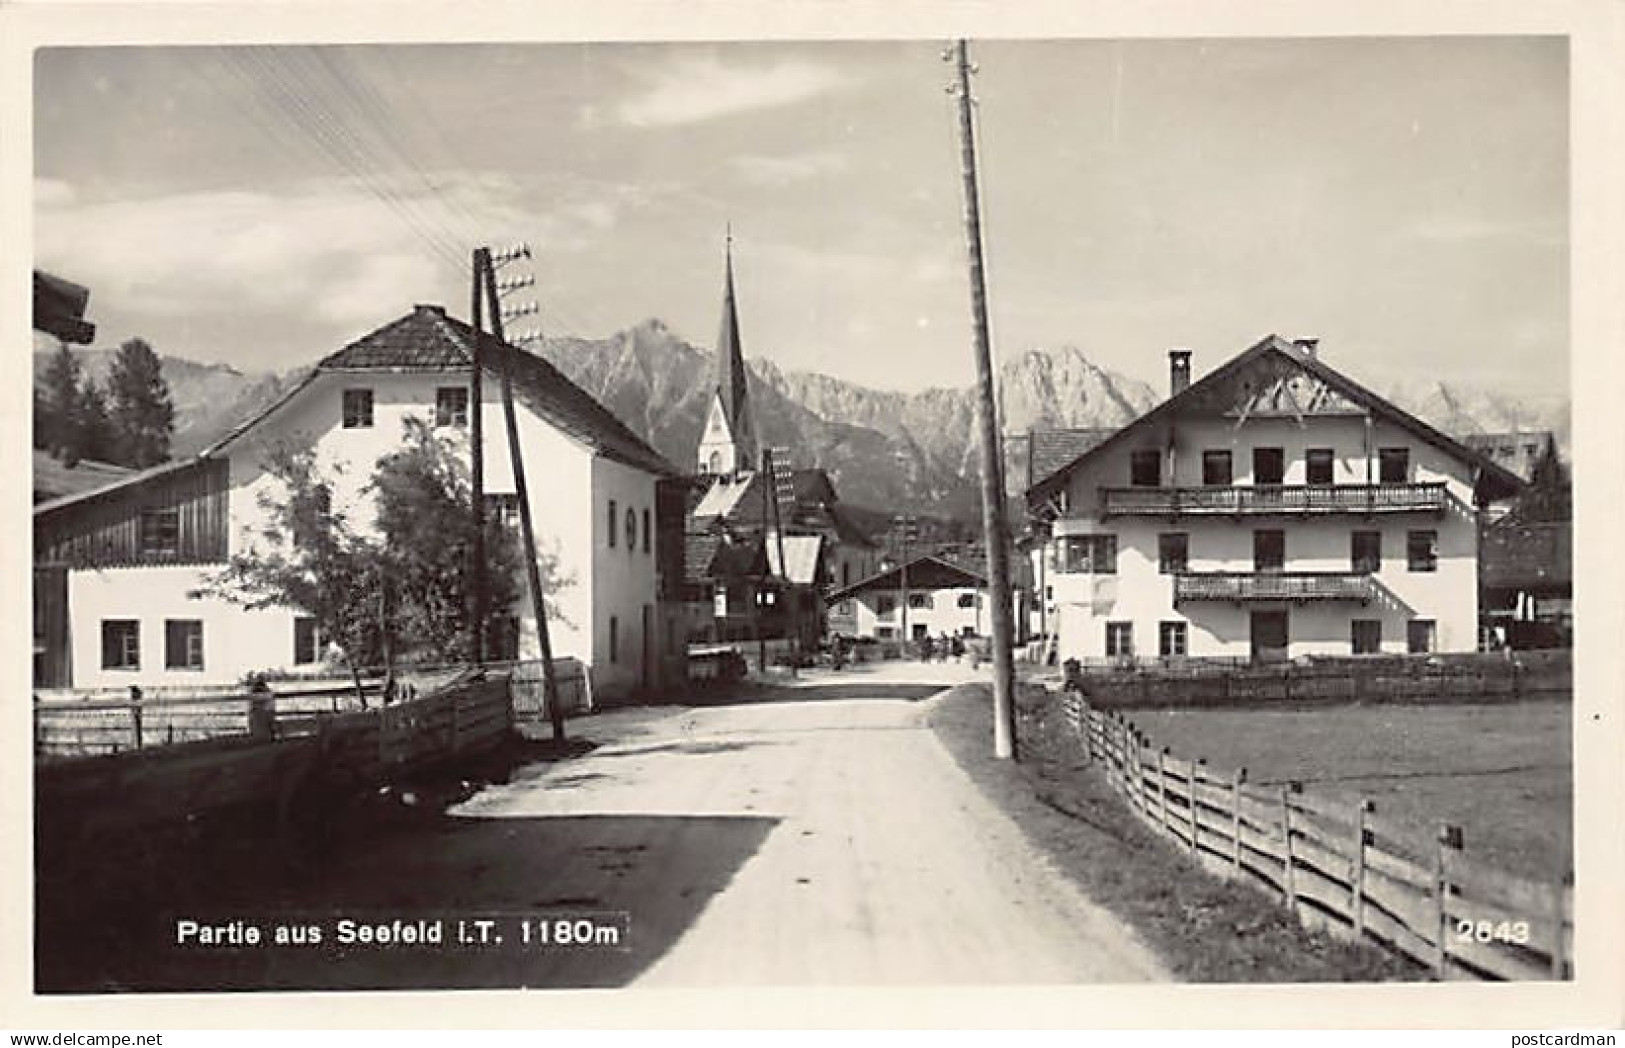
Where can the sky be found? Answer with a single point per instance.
(1405, 200)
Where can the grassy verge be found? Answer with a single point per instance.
(1204, 928)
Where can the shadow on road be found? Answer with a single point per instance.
(753, 692)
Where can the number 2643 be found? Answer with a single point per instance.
(1493, 931)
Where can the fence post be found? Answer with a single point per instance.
(1196, 768)
(135, 716)
(1362, 841)
(1559, 888)
(1162, 789)
(1289, 885)
(1449, 840)
(1236, 780)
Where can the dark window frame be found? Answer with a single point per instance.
(1119, 636)
(356, 408)
(125, 636)
(648, 532)
(1260, 549)
(1279, 463)
(1389, 457)
(1211, 459)
(1422, 550)
(1422, 636)
(614, 521)
(187, 632)
(1139, 475)
(160, 531)
(451, 406)
(1365, 636)
(1092, 554)
(306, 623)
(1170, 631)
(1319, 466)
(631, 530)
(614, 639)
(1166, 544)
(1371, 563)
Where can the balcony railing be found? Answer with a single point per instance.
(1240, 587)
(1284, 499)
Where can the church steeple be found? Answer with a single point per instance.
(728, 444)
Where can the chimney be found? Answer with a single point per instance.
(1308, 345)
(1179, 371)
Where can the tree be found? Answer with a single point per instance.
(1547, 498)
(58, 405)
(142, 413)
(397, 589)
(93, 431)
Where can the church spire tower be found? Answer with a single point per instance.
(728, 443)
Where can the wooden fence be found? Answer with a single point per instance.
(1359, 678)
(318, 754)
(1341, 868)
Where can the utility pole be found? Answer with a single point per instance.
(904, 525)
(772, 482)
(538, 600)
(476, 423)
(994, 529)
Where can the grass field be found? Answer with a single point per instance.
(1503, 772)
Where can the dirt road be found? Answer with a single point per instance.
(808, 840)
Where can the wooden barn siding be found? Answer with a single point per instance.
(53, 667)
(106, 532)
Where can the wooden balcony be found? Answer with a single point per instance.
(1295, 586)
(1274, 499)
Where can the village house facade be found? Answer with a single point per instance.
(1273, 509)
(940, 597)
(119, 570)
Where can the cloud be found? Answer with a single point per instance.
(776, 171)
(695, 90)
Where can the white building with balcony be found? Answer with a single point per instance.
(1276, 508)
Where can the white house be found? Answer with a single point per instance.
(931, 595)
(120, 566)
(1275, 508)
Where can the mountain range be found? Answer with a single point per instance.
(883, 449)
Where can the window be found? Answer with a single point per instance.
(1394, 465)
(1145, 468)
(306, 643)
(967, 600)
(843, 607)
(885, 632)
(631, 530)
(1318, 466)
(614, 521)
(919, 600)
(183, 644)
(1088, 554)
(1173, 552)
(1120, 639)
(1216, 468)
(1367, 636)
(451, 406)
(1269, 550)
(1171, 639)
(1269, 465)
(885, 605)
(1420, 635)
(648, 532)
(358, 409)
(1531, 450)
(160, 532)
(121, 644)
(1365, 551)
(1422, 550)
(614, 639)
(846, 574)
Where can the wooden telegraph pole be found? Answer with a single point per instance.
(993, 511)
(538, 600)
(476, 423)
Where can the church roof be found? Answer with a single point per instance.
(732, 387)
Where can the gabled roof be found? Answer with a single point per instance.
(925, 572)
(732, 387)
(1491, 481)
(712, 556)
(427, 339)
(1051, 449)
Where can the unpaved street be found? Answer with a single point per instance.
(877, 860)
(816, 837)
